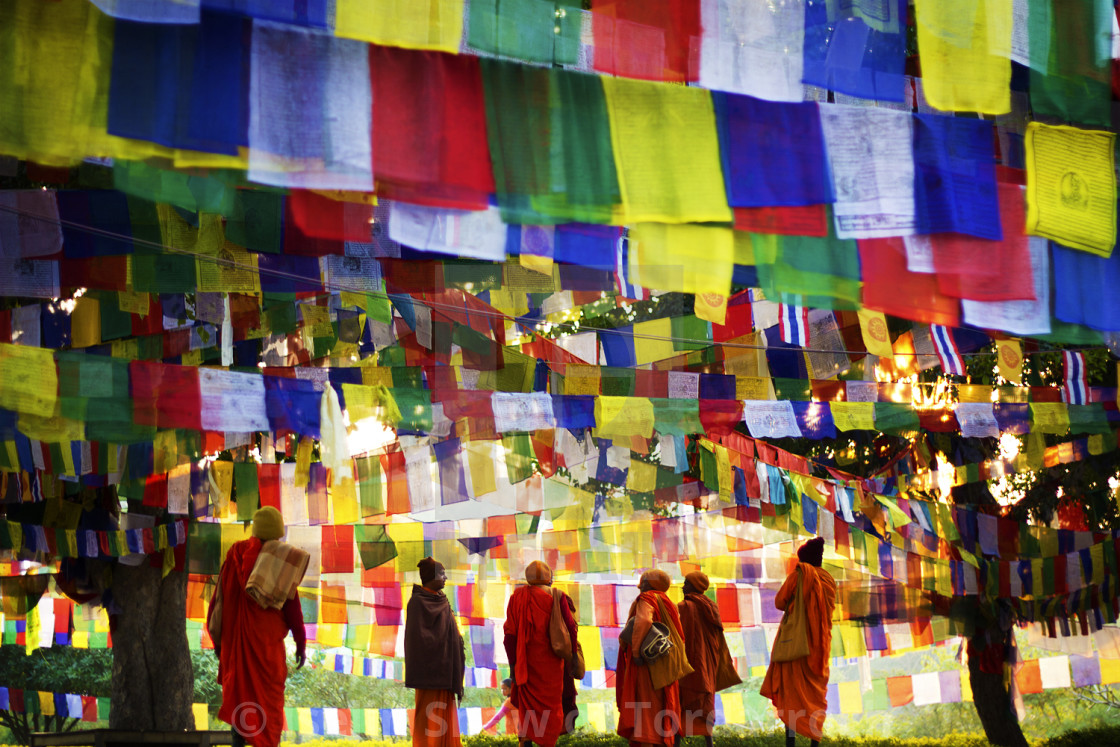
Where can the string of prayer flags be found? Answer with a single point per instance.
(965, 48)
(1071, 186)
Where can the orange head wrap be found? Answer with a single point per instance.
(538, 573)
(698, 581)
(658, 580)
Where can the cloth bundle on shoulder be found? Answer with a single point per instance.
(276, 574)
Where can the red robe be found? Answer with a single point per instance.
(252, 662)
(703, 640)
(799, 688)
(538, 674)
(645, 715)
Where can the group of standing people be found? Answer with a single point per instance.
(660, 700)
(672, 658)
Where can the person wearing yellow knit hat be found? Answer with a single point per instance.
(254, 607)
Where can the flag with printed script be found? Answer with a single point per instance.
(793, 323)
(1010, 356)
(1075, 382)
(947, 351)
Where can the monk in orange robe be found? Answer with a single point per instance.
(249, 636)
(799, 688)
(434, 659)
(703, 643)
(538, 674)
(645, 715)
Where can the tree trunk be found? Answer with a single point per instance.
(153, 680)
(994, 707)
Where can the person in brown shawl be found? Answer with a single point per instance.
(539, 676)
(704, 644)
(799, 688)
(434, 659)
(647, 715)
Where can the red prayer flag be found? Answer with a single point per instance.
(647, 39)
(889, 287)
(429, 128)
(794, 220)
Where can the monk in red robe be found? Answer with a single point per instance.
(799, 688)
(253, 608)
(704, 643)
(538, 674)
(434, 659)
(645, 715)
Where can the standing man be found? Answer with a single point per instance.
(251, 612)
(538, 674)
(434, 659)
(705, 645)
(799, 687)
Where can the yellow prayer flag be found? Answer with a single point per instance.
(1110, 671)
(30, 380)
(1009, 353)
(303, 462)
(1049, 417)
(201, 714)
(85, 322)
(666, 152)
(711, 307)
(31, 631)
(685, 258)
(1071, 186)
(853, 416)
(733, 711)
(851, 699)
(221, 486)
(480, 461)
(642, 477)
(653, 341)
(965, 48)
(622, 417)
(876, 335)
(344, 500)
(754, 387)
(414, 24)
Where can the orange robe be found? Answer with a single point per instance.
(645, 715)
(799, 688)
(252, 663)
(703, 639)
(538, 674)
(436, 721)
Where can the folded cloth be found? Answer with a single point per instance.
(276, 574)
